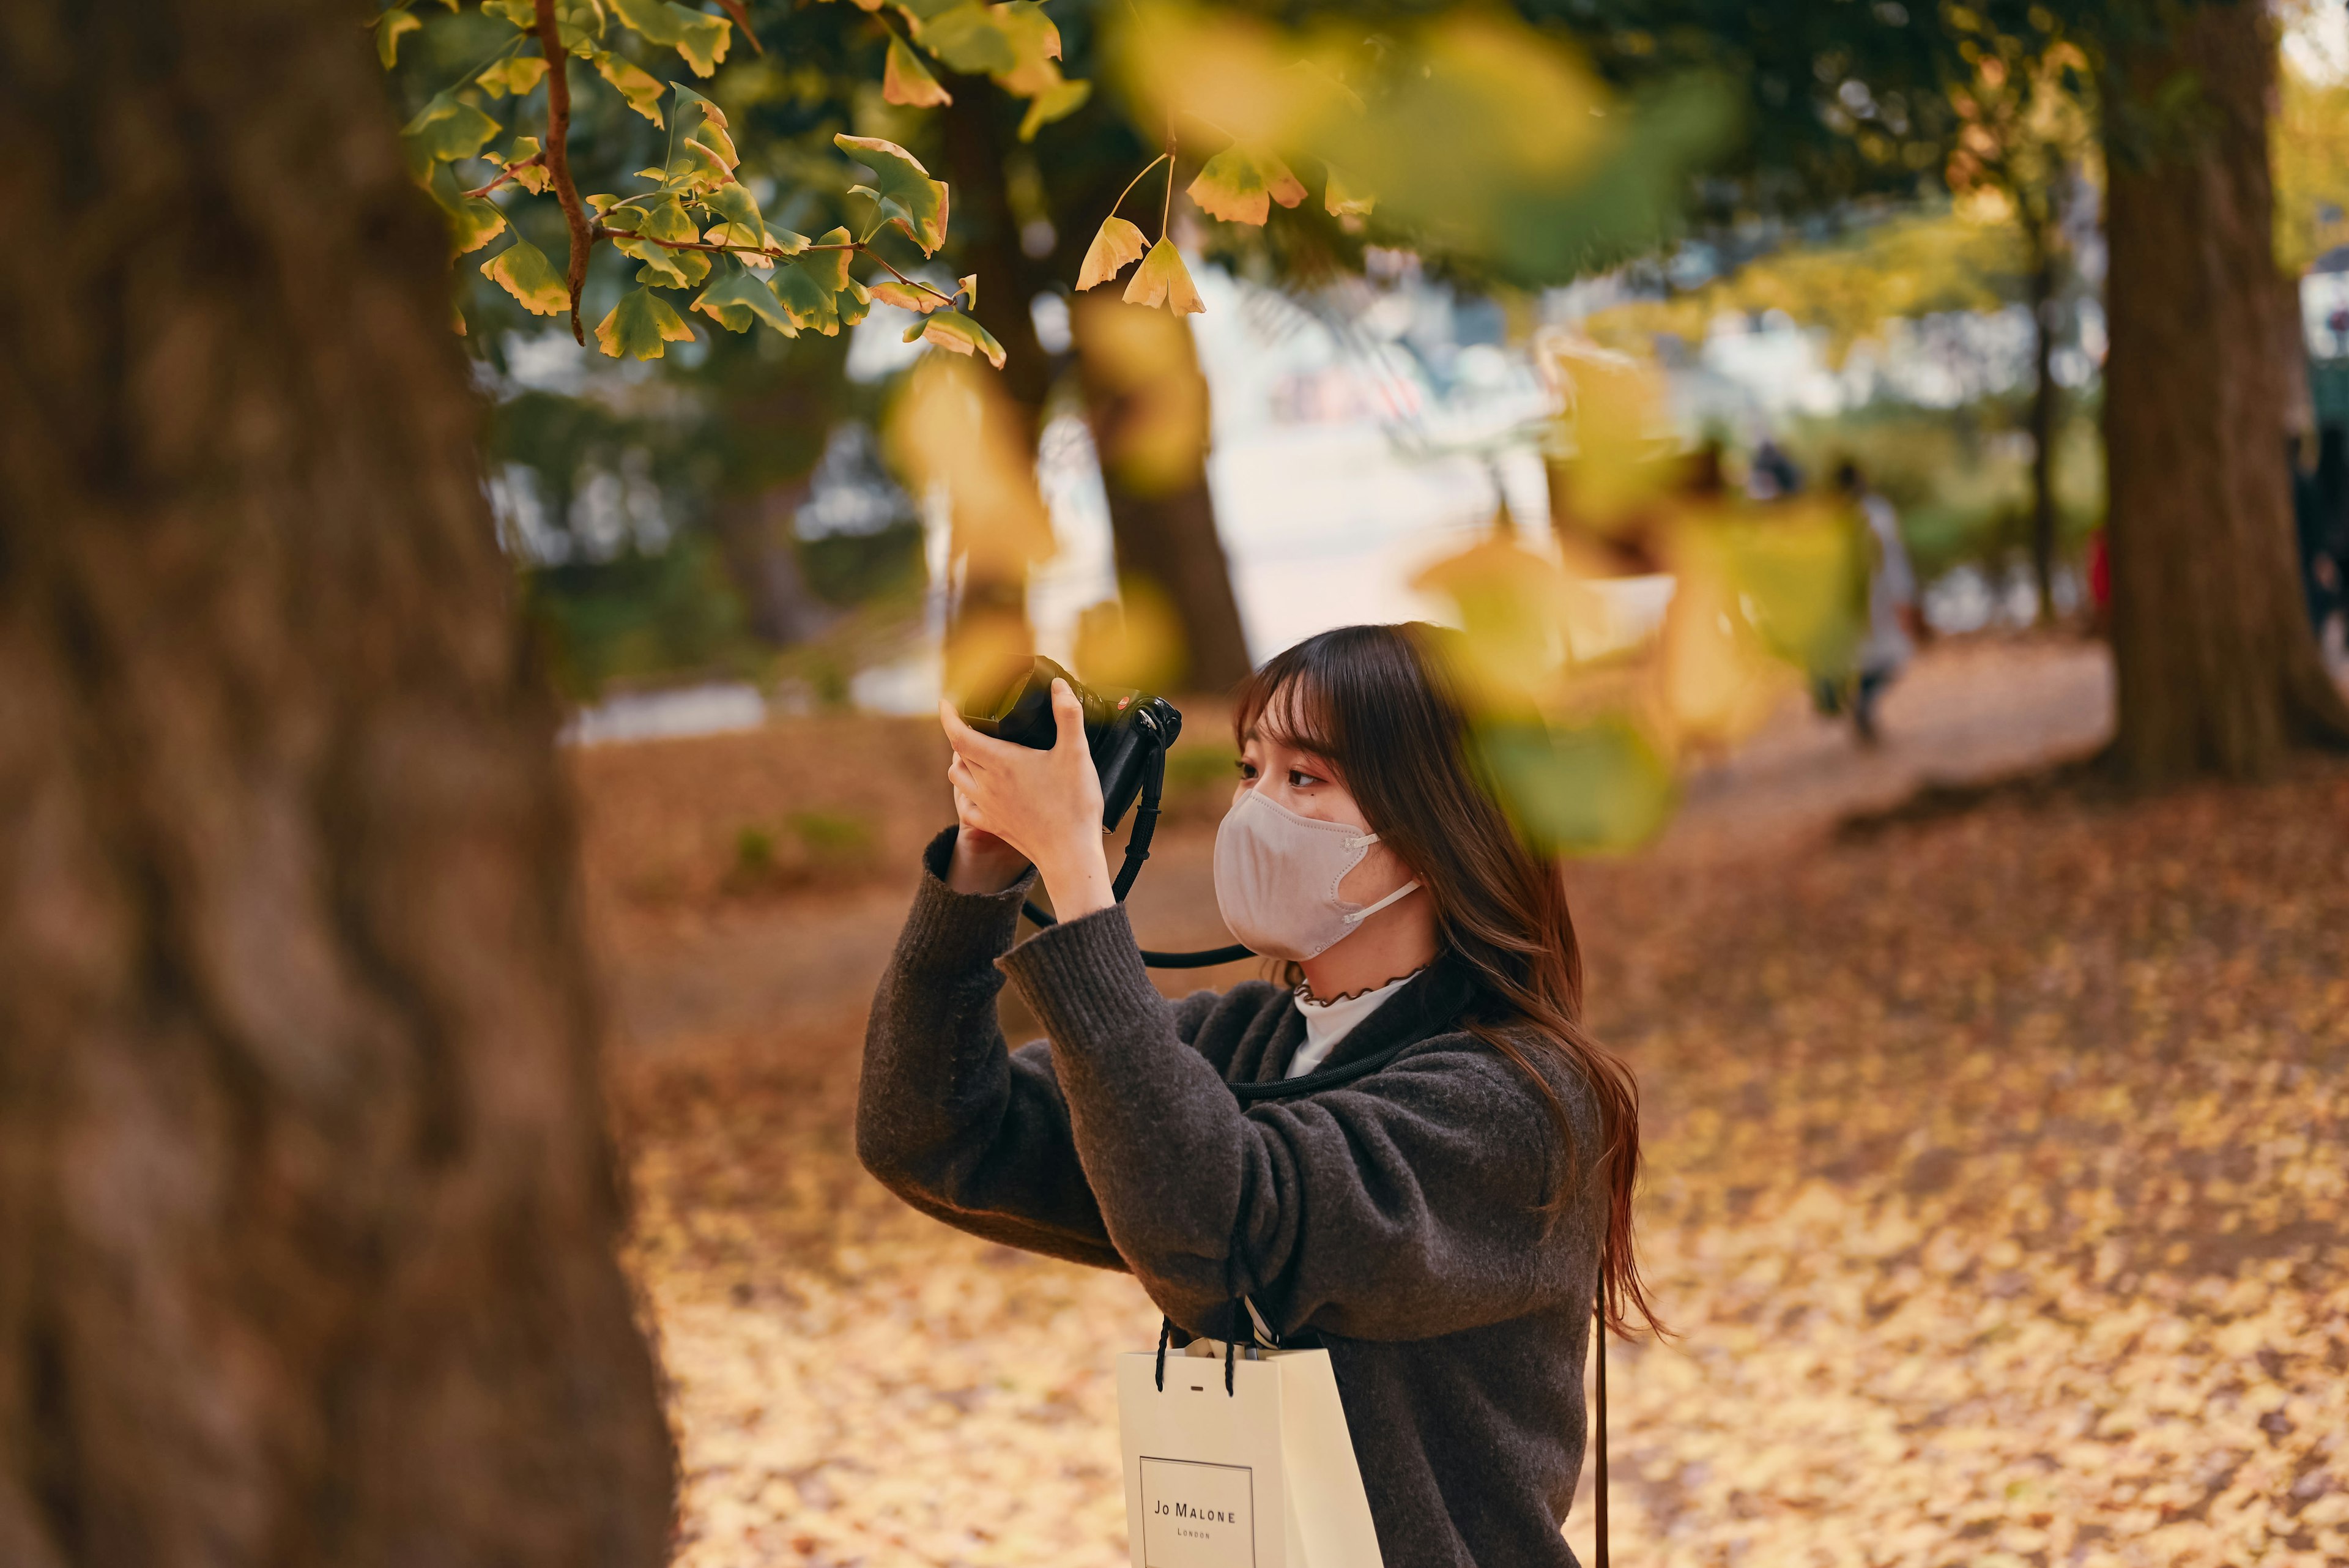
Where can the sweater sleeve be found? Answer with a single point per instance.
(947, 1118)
(1404, 1206)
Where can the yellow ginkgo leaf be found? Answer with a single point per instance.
(905, 79)
(1118, 243)
(1162, 279)
(639, 325)
(905, 296)
(1239, 186)
(523, 270)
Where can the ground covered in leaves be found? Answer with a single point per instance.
(1995, 1189)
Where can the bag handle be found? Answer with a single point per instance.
(1262, 1335)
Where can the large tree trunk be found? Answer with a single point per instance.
(2043, 420)
(1148, 405)
(306, 1199)
(2218, 671)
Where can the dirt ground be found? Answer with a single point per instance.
(1993, 1175)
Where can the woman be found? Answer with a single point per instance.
(1441, 1224)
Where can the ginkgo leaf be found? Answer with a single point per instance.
(968, 286)
(854, 302)
(735, 302)
(1347, 198)
(905, 79)
(744, 234)
(689, 98)
(903, 189)
(662, 218)
(639, 327)
(905, 296)
(472, 222)
(698, 35)
(444, 131)
(970, 39)
(1239, 186)
(643, 93)
(389, 28)
(711, 133)
(578, 25)
(522, 270)
(514, 75)
(1118, 243)
(534, 178)
(700, 167)
(521, 14)
(1034, 44)
(951, 330)
(805, 295)
(1163, 279)
(1053, 103)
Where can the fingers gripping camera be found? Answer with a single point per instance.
(1126, 732)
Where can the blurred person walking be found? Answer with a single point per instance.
(1893, 623)
(1409, 1152)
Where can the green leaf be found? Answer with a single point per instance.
(711, 133)
(1570, 791)
(514, 75)
(689, 98)
(522, 270)
(737, 301)
(473, 221)
(389, 28)
(954, 331)
(639, 327)
(805, 297)
(1053, 103)
(534, 179)
(578, 25)
(444, 131)
(661, 219)
(903, 189)
(1118, 243)
(854, 304)
(970, 39)
(1239, 186)
(643, 93)
(905, 80)
(734, 203)
(521, 14)
(701, 37)
(1163, 279)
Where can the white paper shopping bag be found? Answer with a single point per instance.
(1261, 1477)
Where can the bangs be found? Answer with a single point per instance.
(1286, 704)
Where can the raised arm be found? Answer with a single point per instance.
(1405, 1206)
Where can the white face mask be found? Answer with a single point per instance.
(1276, 876)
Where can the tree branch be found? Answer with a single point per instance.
(510, 172)
(856, 247)
(558, 157)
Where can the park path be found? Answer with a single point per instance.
(802, 968)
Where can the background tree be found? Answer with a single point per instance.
(306, 1200)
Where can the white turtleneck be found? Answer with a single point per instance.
(1327, 1023)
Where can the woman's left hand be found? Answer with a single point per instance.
(1045, 804)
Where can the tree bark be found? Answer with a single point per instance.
(1147, 401)
(2043, 420)
(2218, 671)
(305, 1195)
(759, 538)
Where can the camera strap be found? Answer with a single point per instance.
(1137, 850)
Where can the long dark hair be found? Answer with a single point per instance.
(1383, 705)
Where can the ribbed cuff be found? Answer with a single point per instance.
(1085, 981)
(958, 931)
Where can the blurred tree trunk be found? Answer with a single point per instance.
(1148, 404)
(759, 538)
(1162, 515)
(306, 1203)
(2044, 423)
(2218, 673)
(991, 609)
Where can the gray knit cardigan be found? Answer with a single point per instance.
(1391, 1219)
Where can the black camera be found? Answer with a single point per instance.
(1127, 732)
